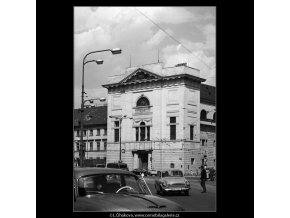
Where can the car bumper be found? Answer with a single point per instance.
(175, 189)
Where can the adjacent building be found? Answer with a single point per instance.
(94, 134)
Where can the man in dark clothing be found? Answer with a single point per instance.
(203, 178)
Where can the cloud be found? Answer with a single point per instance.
(165, 14)
(209, 32)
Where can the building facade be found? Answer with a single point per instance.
(94, 136)
(165, 130)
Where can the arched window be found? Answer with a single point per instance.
(143, 101)
(213, 117)
(172, 165)
(203, 115)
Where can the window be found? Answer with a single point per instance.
(137, 134)
(91, 146)
(181, 166)
(143, 101)
(213, 142)
(203, 115)
(116, 123)
(148, 133)
(78, 147)
(191, 132)
(142, 131)
(172, 165)
(78, 133)
(105, 145)
(214, 117)
(116, 135)
(85, 132)
(172, 119)
(172, 132)
(172, 128)
(202, 142)
(105, 131)
(192, 161)
(91, 132)
(98, 146)
(98, 132)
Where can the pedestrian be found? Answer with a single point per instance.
(203, 178)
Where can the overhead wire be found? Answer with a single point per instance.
(173, 38)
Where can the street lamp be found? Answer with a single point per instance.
(113, 51)
(120, 122)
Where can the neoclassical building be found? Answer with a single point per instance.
(165, 129)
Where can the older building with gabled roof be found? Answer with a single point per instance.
(95, 134)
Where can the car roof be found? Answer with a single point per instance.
(78, 172)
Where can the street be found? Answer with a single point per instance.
(196, 201)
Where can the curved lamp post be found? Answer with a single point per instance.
(113, 51)
(120, 120)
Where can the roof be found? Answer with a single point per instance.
(94, 170)
(92, 116)
(207, 94)
(158, 70)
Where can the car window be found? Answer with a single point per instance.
(109, 183)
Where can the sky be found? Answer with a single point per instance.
(99, 28)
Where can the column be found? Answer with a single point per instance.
(149, 161)
(136, 163)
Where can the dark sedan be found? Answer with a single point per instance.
(104, 189)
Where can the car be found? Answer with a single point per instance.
(152, 172)
(115, 190)
(122, 166)
(171, 180)
(101, 165)
(140, 171)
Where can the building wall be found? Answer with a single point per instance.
(178, 98)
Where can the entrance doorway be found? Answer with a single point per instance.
(143, 160)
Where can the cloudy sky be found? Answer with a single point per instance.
(98, 28)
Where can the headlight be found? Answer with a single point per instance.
(164, 183)
(187, 183)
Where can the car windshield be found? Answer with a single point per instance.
(172, 173)
(111, 183)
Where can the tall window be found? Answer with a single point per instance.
(105, 145)
(137, 134)
(91, 146)
(78, 133)
(98, 132)
(214, 118)
(116, 131)
(143, 101)
(85, 132)
(172, 128)
(191, 132)
(203, 115)
(98, 145)
(105, 131)
(91, 132)
(142, 131)
(148, 133)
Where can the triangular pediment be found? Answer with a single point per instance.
(140, 75)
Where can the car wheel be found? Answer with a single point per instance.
(186, 192)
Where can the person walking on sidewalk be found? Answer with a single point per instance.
(203, 178)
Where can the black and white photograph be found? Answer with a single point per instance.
(144, 109)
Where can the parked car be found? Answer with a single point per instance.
(122, 166)
(101, 165)
(171, 180)
(105, 189)
(152, 172)
(140, 171)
